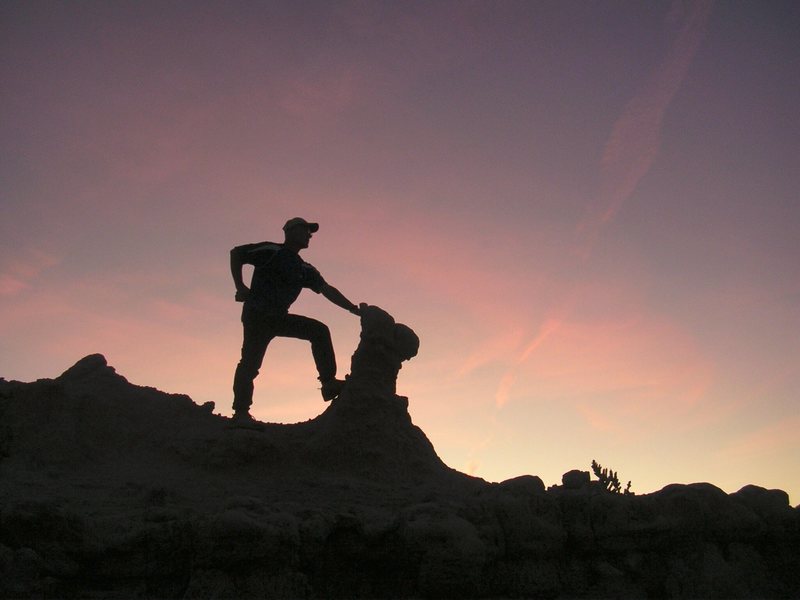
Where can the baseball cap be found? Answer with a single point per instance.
(294, 222)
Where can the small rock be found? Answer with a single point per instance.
(575, 479)
(524, 485)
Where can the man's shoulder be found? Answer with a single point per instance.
(258, 254)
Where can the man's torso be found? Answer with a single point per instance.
(279, 277)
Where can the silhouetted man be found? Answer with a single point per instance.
(279, 276)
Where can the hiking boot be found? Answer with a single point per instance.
(331, 388)
(244, 419)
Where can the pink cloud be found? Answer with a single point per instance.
(549, 327)
(626, 342)
(596, 418)
(10, 286)
(504, 388)
(474, 461)
(602, 344)
(777, 439)
(19, 273)
(420, 252)
(636, 136)
(496, 348)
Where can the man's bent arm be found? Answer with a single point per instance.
(236, 271)
(335, 296)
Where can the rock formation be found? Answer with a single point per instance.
(109, 489)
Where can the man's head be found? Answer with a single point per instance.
(297, 233)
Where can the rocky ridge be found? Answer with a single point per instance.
(109, 489)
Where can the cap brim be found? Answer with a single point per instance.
(313, 227)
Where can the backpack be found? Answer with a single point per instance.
(258, 255)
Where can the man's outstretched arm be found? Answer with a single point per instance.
(335, 296)
(242, 291)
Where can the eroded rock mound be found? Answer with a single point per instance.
(384, 346)
(368, 428)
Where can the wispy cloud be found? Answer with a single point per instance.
(507, 381)
(10, 285)
(777, 438)
(635, 139)
(619, 373)
(19, 273)
(493, 349)
(603, 358)
(547, 328)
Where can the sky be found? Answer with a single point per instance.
(587, 210)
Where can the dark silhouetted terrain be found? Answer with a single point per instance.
(112, 490)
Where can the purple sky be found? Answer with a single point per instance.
(588, 211)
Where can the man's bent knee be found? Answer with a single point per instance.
(321, 331)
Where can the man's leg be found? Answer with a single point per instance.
(304, 328)
(257, 337)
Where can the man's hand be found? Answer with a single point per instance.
(242, 294)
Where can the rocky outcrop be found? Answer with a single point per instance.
(108, 489)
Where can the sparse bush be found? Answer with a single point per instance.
(609, 480)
